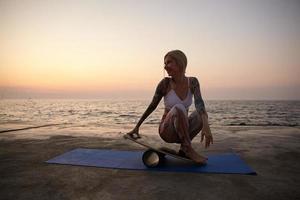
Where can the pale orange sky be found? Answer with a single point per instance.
(100, 49)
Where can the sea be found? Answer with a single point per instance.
(119, 115)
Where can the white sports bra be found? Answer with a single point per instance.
(171, 98)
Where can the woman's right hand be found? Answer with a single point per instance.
(134, 133)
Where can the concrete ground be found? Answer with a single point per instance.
(274, 153)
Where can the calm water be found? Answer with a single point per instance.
(121, 113)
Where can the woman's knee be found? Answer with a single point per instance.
(180, 108)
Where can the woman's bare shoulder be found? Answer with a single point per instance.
(194, 84)
(163, 85)
(164, 81)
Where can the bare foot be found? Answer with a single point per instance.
(193, 155)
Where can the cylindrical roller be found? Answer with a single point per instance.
(152, 158)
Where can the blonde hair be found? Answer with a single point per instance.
(179, 57)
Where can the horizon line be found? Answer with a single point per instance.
(128, 98)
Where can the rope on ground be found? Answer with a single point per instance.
(31, 127)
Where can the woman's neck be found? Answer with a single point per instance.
(179, 79)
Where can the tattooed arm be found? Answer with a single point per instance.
(159, 93)
(199, 103)
(200, 107)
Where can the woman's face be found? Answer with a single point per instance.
(171, 66)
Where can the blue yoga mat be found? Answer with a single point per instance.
(228, 163)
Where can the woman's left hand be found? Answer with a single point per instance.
(207, 134)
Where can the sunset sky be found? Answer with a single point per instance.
(114, 49)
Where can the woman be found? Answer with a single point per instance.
(176, 126)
